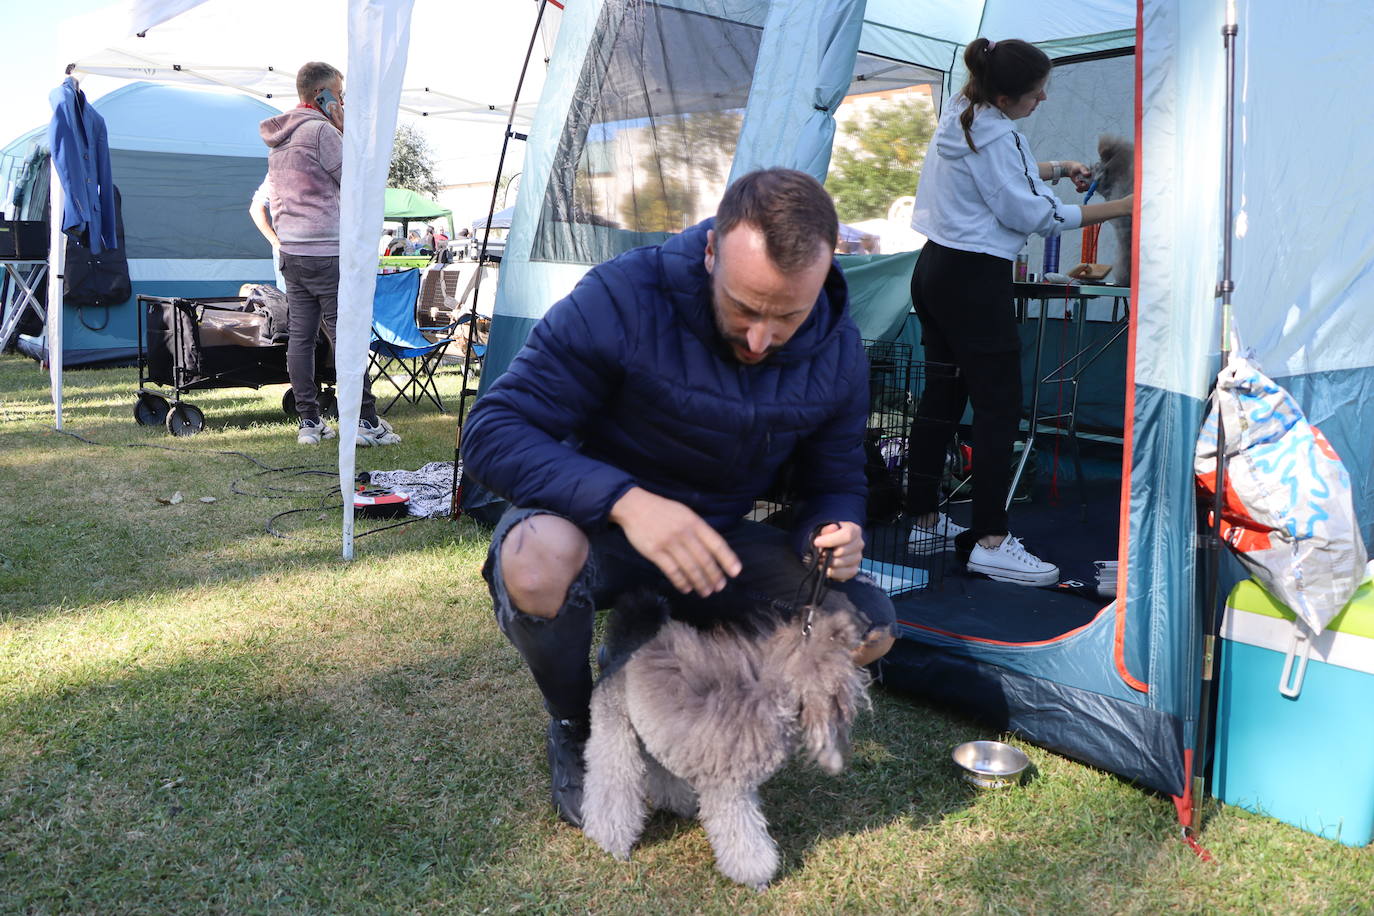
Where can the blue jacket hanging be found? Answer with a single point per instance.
(81, 152)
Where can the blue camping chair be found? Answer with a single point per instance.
(478, 327)
(398, 341)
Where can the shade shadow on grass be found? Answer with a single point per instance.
(192, 786)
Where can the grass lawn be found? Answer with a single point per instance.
(196, 715)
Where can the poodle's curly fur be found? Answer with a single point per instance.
(693, 718)
(1115, 172)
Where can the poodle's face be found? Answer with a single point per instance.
(1115, 168)
(837, 627)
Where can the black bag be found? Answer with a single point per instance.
(23, 240)
(98, 279)
(884, 484)
(270, 301)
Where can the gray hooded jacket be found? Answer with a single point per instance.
(989, 201)
(303, 171)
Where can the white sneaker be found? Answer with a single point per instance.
(939, 536)
(1010, 562)
(379, 434)
(312, 431)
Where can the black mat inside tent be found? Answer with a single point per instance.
(1053, 526)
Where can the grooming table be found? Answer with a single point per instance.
(1071, 370)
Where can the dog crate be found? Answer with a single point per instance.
(897, 561)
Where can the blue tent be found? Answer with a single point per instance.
(186, 162)
(1120, 688)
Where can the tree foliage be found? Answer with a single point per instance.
(689, 153)
(878, 158)
(412, 163)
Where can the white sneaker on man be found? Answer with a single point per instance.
(312, 431)
(379, 433)
(939, 536)
(1010, 562)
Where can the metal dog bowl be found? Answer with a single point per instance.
(990, 764)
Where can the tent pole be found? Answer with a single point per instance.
(482, 256)
(57, 261)
(1214, 543)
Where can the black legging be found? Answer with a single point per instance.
(964, 302)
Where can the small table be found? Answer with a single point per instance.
(26, 285)
(1076, 364)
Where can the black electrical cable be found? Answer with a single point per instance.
(297, 470)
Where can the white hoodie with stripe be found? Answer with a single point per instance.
(990, 201)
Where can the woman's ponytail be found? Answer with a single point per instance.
(975, 62)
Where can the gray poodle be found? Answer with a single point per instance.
(693, 717)
(1115, 173)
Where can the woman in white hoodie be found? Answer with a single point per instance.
(982, 194)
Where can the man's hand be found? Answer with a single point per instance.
(691, 553)
(846, 543)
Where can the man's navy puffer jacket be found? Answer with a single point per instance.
(627, 382)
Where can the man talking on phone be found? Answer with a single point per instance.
(303, 172)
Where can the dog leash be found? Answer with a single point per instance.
(821, 570)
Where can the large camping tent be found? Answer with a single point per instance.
(1120, 689)
(185, 183)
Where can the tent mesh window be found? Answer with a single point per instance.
(899, 563)
(647, 146)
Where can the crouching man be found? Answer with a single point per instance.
(649, 410)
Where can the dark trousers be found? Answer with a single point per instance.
(964, 302)
(312, 302)
(556, 650)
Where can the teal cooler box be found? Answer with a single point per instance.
(1295, 720)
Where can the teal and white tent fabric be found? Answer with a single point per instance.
(1120, 691)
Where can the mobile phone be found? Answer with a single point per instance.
(325, 100)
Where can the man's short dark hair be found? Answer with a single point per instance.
(791, 209)
(312, 77)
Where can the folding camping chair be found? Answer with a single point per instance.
(399, 342)
(479, 330)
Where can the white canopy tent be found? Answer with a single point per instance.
(463, 70)
(499, 220)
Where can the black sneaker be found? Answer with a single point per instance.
(567, 739)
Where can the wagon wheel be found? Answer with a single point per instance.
(150, 409)
(329, 404)
(185, 420)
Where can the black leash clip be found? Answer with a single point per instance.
(822, 571)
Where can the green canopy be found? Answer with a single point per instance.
(405, 206)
